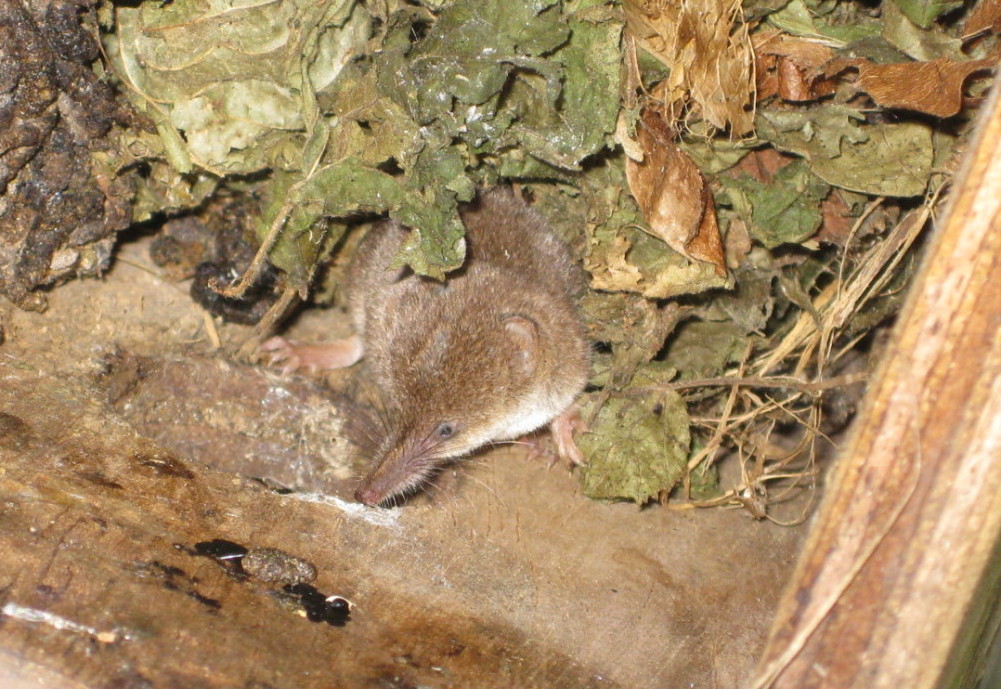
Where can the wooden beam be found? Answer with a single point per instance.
(898, 580)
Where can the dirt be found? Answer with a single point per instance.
(127, 437)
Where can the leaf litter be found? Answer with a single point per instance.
(746, 184)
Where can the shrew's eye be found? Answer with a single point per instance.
(445, 430)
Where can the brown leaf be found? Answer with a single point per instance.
(705, 44)
(935, 88)
(790, 67)
(797, 84)
(738, 243)
(986, 15)
(761, 164)
(766, 79)
(806, 54)
(673, 195)
(837, 220)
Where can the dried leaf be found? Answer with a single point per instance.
(637, 448)
(805, 53)
(837, 220)
(738, 243)
(916, 42)
(893, 159)
(616, 273)
(781, 210)
(925, 12)
(673, 195)
(706, 46)
(793, 72)
(935, 88)
(986, 15)
(762, 164)
(621, 257)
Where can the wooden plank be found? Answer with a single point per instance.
(896, 578)
(505, 576)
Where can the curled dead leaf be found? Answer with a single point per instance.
(621, 136)
(790, 67)
(761, 164)
(935, 87)
(706, 45)
(616, 273)
(673, 195)
(837, 222)
(985, 16)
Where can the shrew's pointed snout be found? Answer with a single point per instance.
(400, 472)
(376, 488)
(367, 495)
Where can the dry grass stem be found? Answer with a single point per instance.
(758, 428)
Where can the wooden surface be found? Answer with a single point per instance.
(126, 441)
(899, 577)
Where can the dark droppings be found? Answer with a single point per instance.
(333, 610)
(226, 554)
(220, 549)
(245, 311)
(276, 566)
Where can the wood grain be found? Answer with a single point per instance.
(896, 583)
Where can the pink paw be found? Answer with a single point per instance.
(283, 352)
(562, 429)
(313, 358)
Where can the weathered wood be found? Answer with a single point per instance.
(506, 577)
(896, 580)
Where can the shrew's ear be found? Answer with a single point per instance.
(523, 333)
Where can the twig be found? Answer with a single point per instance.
(753, 382)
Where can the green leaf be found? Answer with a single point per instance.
(751, 303)
(896, 160)
(879, 159)
(795, 18)
(235, 79)
(925, 12)
(388, 133)
(757, 9)
(436, 243)
(813, 132)
(637, 448)
(589, 102)
(336, 191)
(703, 349)
(468, 55)
(435, 184)
(917, 42)
(712, 156)
(784, 210)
